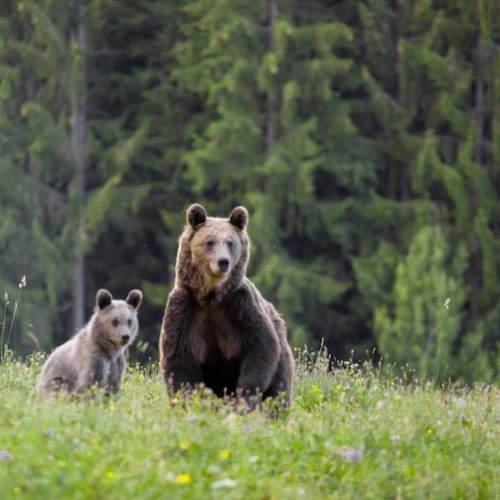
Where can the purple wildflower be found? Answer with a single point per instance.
(395, 438)
(7, 456)
(352, 454)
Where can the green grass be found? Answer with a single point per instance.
(349, 434)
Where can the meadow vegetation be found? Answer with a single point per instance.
(352, 432)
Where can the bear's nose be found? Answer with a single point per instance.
(125, 339)
(223, 264)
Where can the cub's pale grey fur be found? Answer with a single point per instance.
(95, 355)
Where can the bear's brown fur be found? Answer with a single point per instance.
(217, 329)
(95, 355)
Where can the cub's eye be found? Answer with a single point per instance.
(129, 322)
(210, 243)
(230, 244)
(115, 322)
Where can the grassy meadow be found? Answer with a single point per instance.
(351, 433)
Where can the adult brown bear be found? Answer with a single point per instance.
(217, 329)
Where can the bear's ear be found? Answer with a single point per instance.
(196, 215)
(103, 298)
(134, 298)
(239, 217)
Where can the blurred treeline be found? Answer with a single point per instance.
(362, 135)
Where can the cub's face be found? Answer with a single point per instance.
(121, 321)
(215, 249)
(117, 319)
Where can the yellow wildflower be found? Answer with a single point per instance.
(182, 479)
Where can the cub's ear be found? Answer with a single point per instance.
(196, 215)
(239, 217)
(103, 298)
(134, 298)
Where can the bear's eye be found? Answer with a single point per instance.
(230, 244)
(129, 322)
(115, 322)
(210, 243)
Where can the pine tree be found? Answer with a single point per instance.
(37, 163)
(433, 83)
(137, 191)
(425, 320)
(272, 134)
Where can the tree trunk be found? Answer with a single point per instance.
(78, 119)
(474, 274)
(479, 98)
(272, 99)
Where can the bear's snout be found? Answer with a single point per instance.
(125, 339)
(223, 264)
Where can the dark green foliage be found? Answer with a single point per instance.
(37, 234)
(362, 136)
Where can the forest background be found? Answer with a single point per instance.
(363, 136)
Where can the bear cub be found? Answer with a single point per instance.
(218, 331)
(96, 354)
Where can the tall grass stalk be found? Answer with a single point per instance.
(4, 342)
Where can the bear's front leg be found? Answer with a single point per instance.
(257, 372)
(95, 374)
(179, 368)
(116, 372)
(260, 351)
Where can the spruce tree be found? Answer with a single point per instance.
(41, 63)
(273, 133)
(441, 74)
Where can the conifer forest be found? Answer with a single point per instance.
(363, 136)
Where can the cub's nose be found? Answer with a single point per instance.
(223, 264)
(125, 339)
